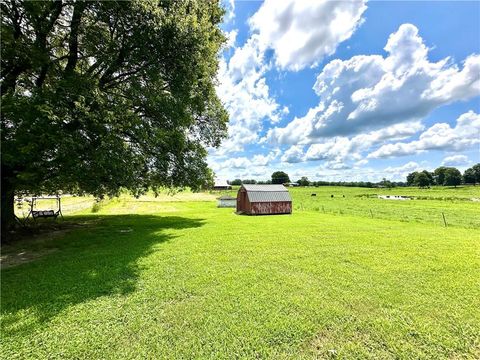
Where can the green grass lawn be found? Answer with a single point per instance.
(179, 278)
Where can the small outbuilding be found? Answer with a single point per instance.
(227, 201)
(263, 200)
(221, 185)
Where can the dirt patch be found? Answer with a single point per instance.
(31, 243)
(22, 257)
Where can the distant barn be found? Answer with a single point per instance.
(263, 200)
(221, 185)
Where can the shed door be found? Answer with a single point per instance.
(242, 201)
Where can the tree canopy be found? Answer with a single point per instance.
(469, 176)
(439, 175)
(472, 175)
(103, 95)
(303, 181)
(453, 177)
(422, 179)
(411, 178)
(280, 177)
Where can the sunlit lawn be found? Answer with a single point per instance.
(183, 279)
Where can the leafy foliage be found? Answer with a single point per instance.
(472, 175)
(411, 178)
(280, 177)
(303, 181)
(97, 96)
(453, 177)
(422, 179)
(439, 175)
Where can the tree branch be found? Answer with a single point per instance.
(78, 10)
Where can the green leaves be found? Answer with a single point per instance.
(110, 95)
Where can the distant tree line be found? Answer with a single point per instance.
(365, 184)
(240, 182)
(443, 176)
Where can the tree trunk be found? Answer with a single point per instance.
(8, 209)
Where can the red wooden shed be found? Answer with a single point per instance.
(263, 200)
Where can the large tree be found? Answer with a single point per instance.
(469, 177)
(303, 181)
(103, 95)
(422, 179)
(411, 178)
(439, 175)
(472, 175)
(280, 177)
(453, 177)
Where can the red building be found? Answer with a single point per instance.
(263, 200)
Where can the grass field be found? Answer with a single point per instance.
(176, 277)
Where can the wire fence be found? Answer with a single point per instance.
(462, 215)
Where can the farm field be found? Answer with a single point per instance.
(426, 206)
(177, 277)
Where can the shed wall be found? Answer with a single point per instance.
(262, 208)
(227, 203)
(243, 204)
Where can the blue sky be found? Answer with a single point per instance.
(337, 90)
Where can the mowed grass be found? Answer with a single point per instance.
(153, 278)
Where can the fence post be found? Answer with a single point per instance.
(371, 213)
(444, 221)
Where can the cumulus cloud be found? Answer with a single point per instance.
(400, 172)
(441, 136)
(455, 160)
(302, 32)
(365, 93)
(293, 155)
(341, 152)
(231, 38)
(255, 163)
(243, 90)
(366, 174)
(408, 167)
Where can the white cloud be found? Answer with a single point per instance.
(245, 94)
(366, 174)
(455, 160)
(293, 155)
(229, 6)
(302, 32)
(408, 167)
(371, 92)
(242, 85)
(440, 136)
(264, 160)
(231, 38)
(399, 173)
(255, 163)
(343, 149)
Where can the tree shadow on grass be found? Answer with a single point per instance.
(97, 261)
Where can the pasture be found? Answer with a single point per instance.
(177, 277)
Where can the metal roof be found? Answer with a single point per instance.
(268, 196)
(227, 197)
(267, 193)
(221, 183)
(265, 188)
